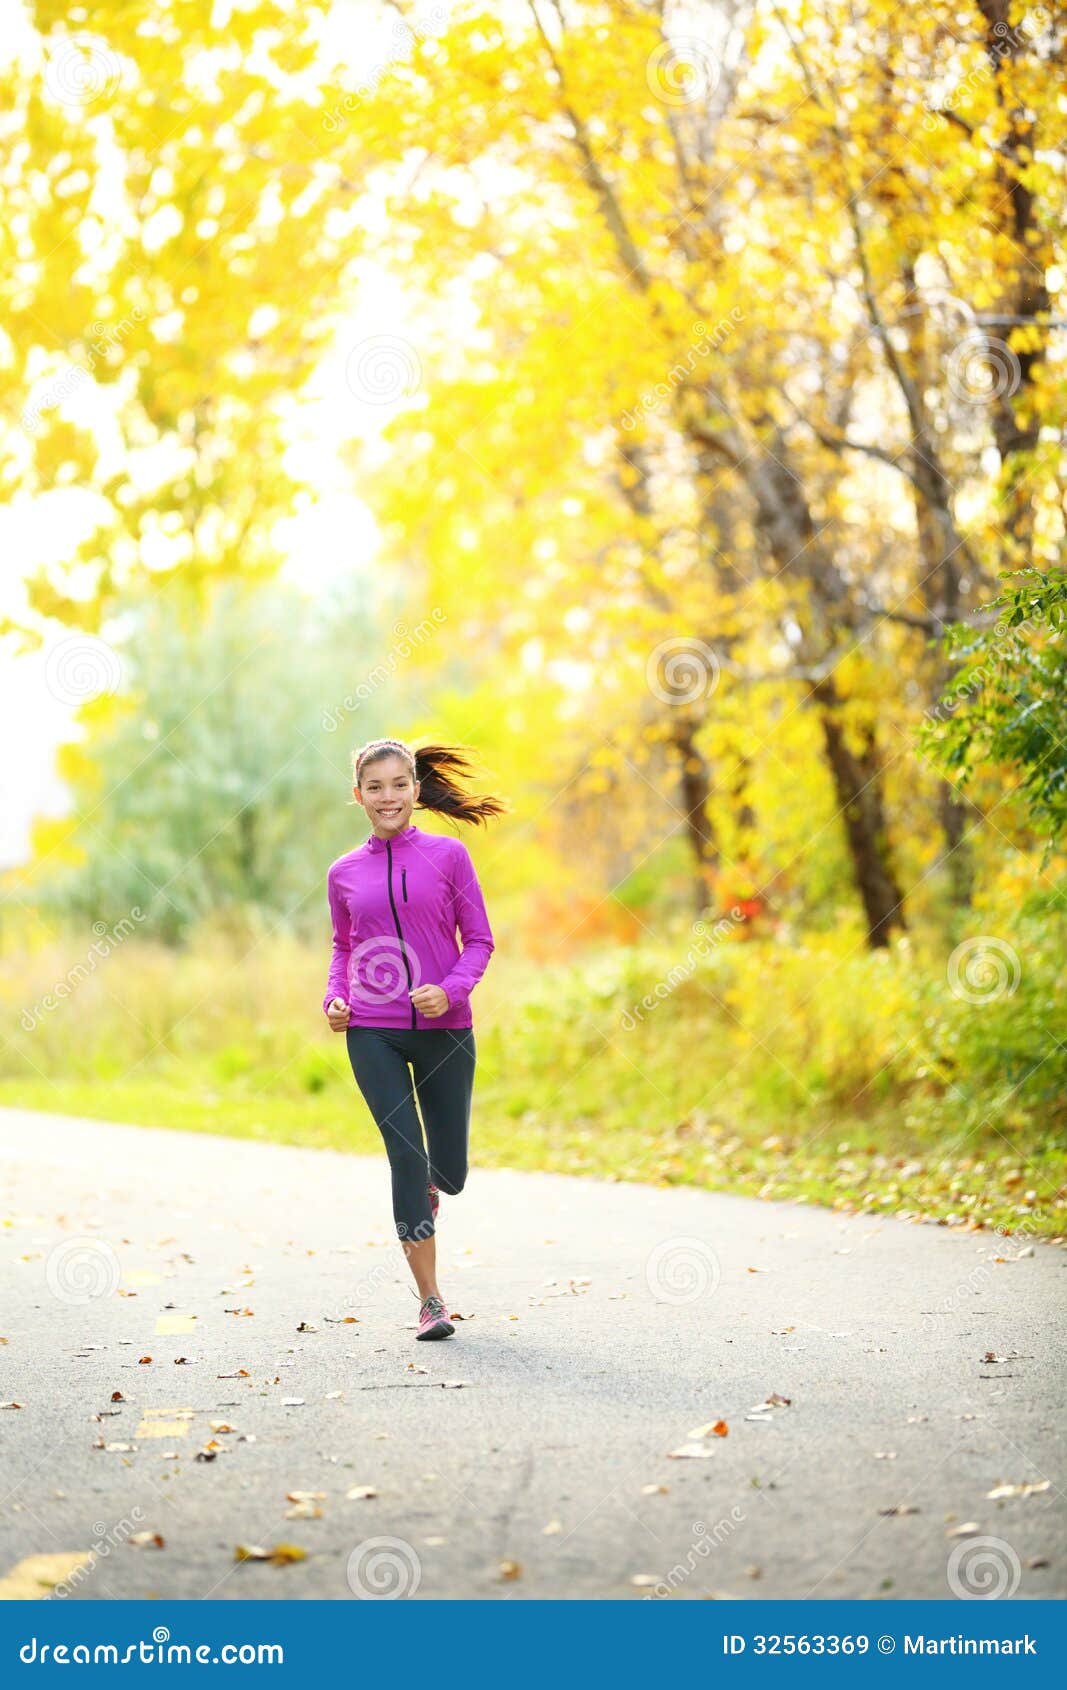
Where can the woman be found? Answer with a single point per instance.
(399, 986)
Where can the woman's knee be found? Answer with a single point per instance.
(452, 1182)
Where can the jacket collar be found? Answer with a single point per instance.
(406, 837)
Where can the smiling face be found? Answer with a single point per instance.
(388, 794)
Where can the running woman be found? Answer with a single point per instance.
(399, 986)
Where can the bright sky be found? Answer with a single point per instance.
(333, 535)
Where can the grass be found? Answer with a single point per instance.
(815, 1071)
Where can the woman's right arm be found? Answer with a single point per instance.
(337, 981)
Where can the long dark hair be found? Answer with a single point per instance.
(439, 769)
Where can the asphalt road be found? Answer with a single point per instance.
(605, 1326)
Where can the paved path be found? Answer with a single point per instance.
(606, 1324)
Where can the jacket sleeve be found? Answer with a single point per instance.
(474, 929)
(337, 981)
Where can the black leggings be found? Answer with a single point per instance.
(442, 1059)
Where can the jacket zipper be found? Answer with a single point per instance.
(404, 884)
(396, 923)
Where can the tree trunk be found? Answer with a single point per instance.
(786, 523)
(940, 587)
(858, 786)
(695, 785)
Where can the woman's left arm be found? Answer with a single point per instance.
(473, 924)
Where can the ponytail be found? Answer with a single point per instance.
(439, 770)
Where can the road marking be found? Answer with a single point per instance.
(170, 1325)
(154, 1425)
(36, 1576)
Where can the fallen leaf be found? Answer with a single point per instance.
(242, 1373)
(117, 1396)
(552, 1528)
(146, 1540)
(306, 1326)
(303, 1511)
(206, 1455)
(642, 1580)
(654, 1490)
(773, 1401)
(510, 1570)
(899, 1508)
(713, 1428)
(453, 1384)
(144, 1361)
(281, 1554)
(10, 1405)
(970, 1528)
(360, 1493)
(690, 1452)
(1034, 1489)
(292, 1402)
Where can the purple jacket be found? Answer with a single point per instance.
(396, 904)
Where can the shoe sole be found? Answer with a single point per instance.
(442, 1329)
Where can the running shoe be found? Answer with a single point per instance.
(433, 1321)
(435, 1199)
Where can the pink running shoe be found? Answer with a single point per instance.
(433, 1321)
(435, 1199)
